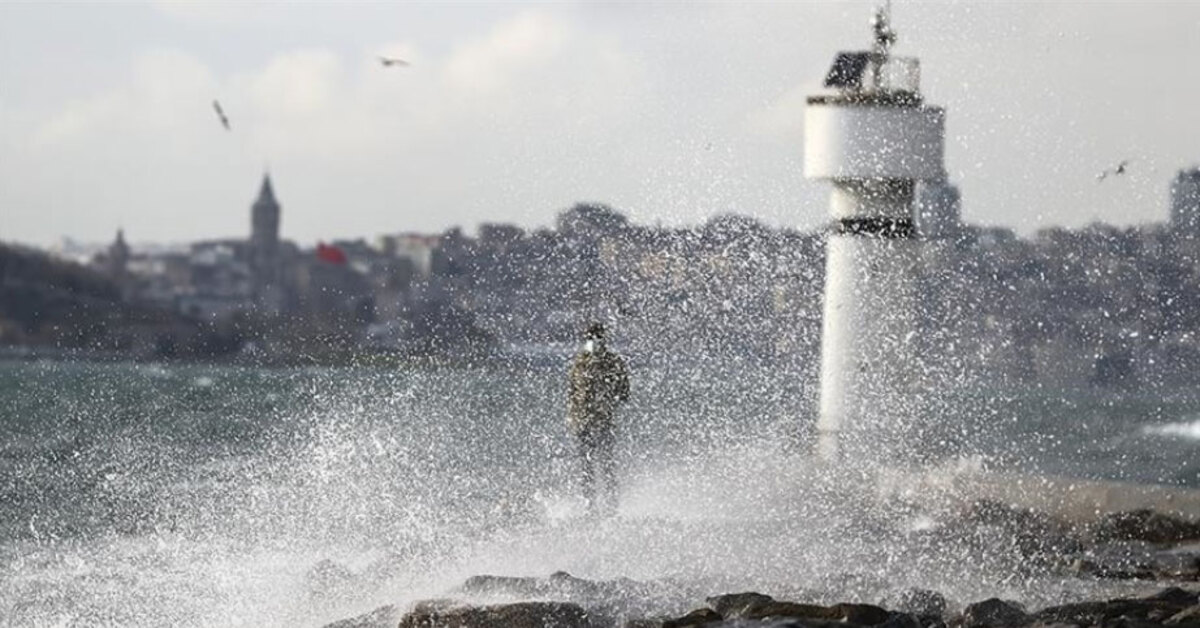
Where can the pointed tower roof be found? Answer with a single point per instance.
(266, 194)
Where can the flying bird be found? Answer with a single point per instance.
(221, 115)
(1120, 169)
(392, 61)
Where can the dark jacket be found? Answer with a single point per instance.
(599, 382)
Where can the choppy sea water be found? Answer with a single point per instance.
(145, 495)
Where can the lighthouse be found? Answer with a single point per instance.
(873, 137)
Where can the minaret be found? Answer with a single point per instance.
(264, 246)
(873, 138)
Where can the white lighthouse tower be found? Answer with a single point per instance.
(873, 137)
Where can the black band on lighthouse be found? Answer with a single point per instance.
(877, 227)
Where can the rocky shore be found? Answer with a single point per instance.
(1153, 558)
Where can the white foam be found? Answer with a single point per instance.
(1181, 429)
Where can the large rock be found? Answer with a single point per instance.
(758, 606)
(618, 597)
(511, 586)
(1175, 596)
(1119, 560)
(1084, 613)
(698, 617)
(1144, 525)
(1187, 618)
(734, 604)
(995, 613)
(1034, 535)
(439, 614)
(382, 617)
(907, 620)
(1177, 564)
(1156, 608)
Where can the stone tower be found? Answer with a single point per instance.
(118, 257)
(265, 265)
(117, 265)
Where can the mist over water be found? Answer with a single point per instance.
(206, 496)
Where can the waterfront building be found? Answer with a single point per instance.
(1185, 203)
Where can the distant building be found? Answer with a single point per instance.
(265, 264)
(118, 258)
(418, 248)
(495, 235)
(118, 265)
(112, 261)
(1185, 202)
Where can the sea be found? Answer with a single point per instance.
(202, 495)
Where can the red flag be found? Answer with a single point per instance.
(331, 254)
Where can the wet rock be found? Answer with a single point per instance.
(382, 617)
(437, 614)
(1175, 596)
(1083, 613)
(1189, 618)
(1137, 560)
(1155, 609)
(513, 586)
(902, 620)
(1123, 560)
(919, 602)
(1177, 565)
(995, 613)
(1144, 525)
(855, 614)
(789, 610)
(1034, 535)
(862, 614)
(698, 617)
(619, 597)
(756, 606)
(734, 604)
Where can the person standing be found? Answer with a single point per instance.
(599, 383)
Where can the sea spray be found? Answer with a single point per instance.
(297, 497)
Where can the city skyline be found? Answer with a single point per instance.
(512, 113)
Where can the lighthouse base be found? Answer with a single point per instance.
(869, 364)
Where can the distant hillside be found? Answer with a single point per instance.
(54, 304)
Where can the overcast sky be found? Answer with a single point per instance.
(511, 112)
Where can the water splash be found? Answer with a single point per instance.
(1187, 429)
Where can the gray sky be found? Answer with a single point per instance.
(511, 112)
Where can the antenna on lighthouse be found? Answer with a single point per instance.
(881, 22)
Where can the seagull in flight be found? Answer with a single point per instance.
(221, 115)
(1120, 169)
(392, 61)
